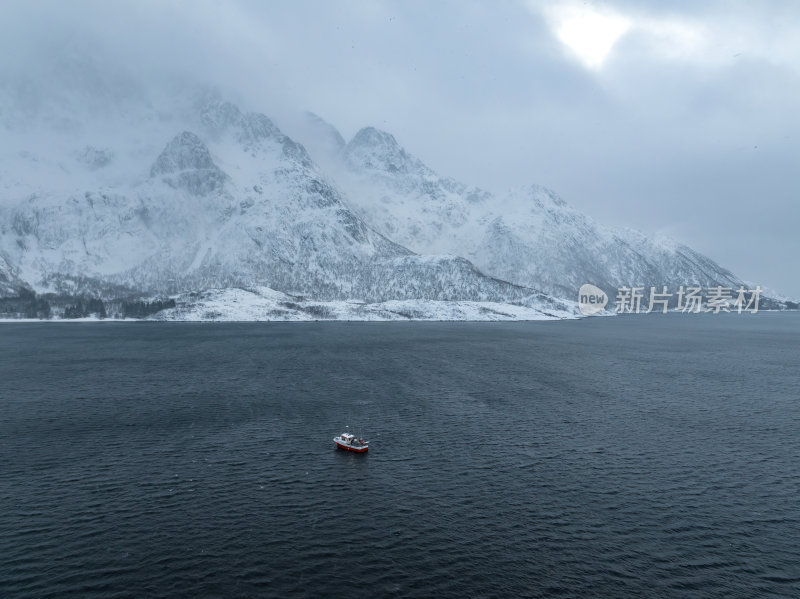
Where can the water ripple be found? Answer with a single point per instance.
(593, 458)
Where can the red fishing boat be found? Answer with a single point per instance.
(351, 443)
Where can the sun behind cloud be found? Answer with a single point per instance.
(589, 32)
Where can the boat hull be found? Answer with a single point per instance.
(350, 448)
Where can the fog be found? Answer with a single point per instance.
(676, 118)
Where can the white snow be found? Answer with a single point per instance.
(528, 236)
(264, 304)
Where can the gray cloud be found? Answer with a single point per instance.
(689, 128)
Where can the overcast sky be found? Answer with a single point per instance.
(678, 117)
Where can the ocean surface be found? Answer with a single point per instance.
(642, 456)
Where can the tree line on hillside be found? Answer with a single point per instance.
(28, 304)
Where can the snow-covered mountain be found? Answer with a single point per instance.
(147, 196)
(540, 237)
(9, 282)
(529, 236)
(112, 189)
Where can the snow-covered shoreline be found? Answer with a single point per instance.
(267, 305)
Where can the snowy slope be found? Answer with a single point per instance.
(406, 200)
(235, 304)
(530, 236)
(539, 237)
(10, 284)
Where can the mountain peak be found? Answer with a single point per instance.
(185, 151)
(186, 163)
(544, 196)
(376, 150)
(371, 136)
(218, 117)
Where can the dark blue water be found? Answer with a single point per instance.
(613, 457)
